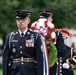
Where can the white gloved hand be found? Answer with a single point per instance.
(66, 66)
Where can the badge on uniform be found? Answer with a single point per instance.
(13, 50)
(30, 42)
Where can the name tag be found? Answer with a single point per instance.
(14, 40)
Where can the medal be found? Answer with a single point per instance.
(26, 43)
(32, 44)
(29, 44)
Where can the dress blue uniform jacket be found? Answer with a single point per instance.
(61, 49)
(67, 55)
(19, 49)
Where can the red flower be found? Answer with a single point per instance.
(48, 28)
(32, 28)
(45, 23)
(53, 29)
(48, 35)
(53, 39)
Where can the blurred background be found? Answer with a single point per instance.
(64, 16)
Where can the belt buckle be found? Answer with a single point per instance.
(22, 59)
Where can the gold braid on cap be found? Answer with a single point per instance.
(46, 13)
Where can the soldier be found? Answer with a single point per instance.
(55, 69)
(46, 29)
(23, 49)
(44, 24)
(68, 62)
(45, 21)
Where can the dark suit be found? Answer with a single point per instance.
(19, 49)
(67, 55)
(61, 51)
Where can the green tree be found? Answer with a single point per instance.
(64, 13)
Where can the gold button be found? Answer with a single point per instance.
(60, 70)
(60, 67)
(60, 60)
(22, 63)
(20, 46)
(21, 52)
(14, 50)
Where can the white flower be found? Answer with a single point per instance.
(53, 35)
(51, 25)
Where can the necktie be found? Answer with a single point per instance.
(22, 35)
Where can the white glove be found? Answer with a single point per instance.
(66, 66)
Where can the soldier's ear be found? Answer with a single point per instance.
(29, 20)
(50, 19)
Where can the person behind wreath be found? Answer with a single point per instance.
(67, 60)
(46, 29)
(41, 25)
(24, 49)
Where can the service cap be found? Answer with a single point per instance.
(21, 14)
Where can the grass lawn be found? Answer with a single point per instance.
(75, 72)
(0, 71)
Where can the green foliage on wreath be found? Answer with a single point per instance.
(52, 52)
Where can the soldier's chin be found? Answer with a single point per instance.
(20, 26)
